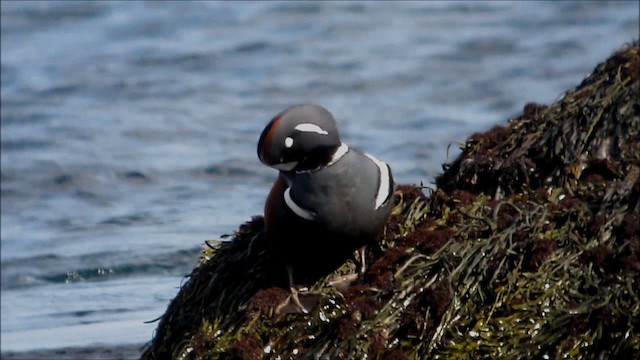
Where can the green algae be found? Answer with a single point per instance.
(528, 248)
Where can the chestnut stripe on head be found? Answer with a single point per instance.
(266, 140)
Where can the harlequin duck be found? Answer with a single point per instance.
(329, 199)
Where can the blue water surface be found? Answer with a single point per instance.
(129, 129)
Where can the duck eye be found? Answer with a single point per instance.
(288, 142)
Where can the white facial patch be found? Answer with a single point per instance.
(288, 142)
(286, 166)
(385, 178)
(308, 127)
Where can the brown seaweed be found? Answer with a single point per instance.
(528, 248)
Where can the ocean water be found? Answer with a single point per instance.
(129, 129)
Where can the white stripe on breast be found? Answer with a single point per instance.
(385, 178)
(303, 213)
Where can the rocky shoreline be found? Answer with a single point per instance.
(529, 247)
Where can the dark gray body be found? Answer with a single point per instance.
(343, 196)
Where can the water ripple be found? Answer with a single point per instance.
(129, 128)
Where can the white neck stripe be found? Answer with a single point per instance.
(340, 152)
(385, 178)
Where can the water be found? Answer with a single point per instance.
(129, 129)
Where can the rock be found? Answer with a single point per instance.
(528, 248)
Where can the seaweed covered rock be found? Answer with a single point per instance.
(528, 248)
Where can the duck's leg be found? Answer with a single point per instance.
(341, 282)
(294, 291)
(363, 264)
